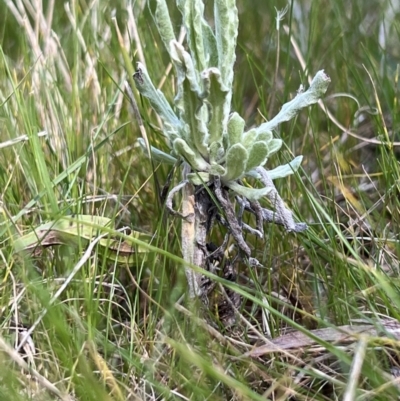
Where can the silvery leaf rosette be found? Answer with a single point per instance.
(200, 127)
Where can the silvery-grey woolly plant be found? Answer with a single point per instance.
(210, 142)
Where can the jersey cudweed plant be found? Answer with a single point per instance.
(211, 143)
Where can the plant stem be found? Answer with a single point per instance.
(196, 204)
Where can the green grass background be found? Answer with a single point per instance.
(116, 332)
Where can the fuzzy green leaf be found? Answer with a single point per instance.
(156, 97)
(210, 46)
(216, 169)
(192, 12)
(184, 60)
(171, 132)
(189, 99)
(258, 155)
(216, 152)
(163, 22)
(264, 136)
(236, 160)
(274, 145)
(235, 128)
(198, 178)
(157, 154)
(286, 169)
(201, 134)
(249, 138)
(251, 194)
(317, 88)
(190, 155)
(280, 171)
(215, 93)
(226, 30)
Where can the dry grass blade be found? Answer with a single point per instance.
(75, 270)
(356, 370)
(341, 334)
(16, 357)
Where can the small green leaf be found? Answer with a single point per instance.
(226, 30)
(235, 128)
(192, 12)
(198, 178)
(201, 135)
(210, 46)
(248, 139)
(216, 169)
(251, 194)
(216, 152)
(182, 58)
(215, 93)
(274, 145)
(236, 160)
(280, 171)
(157, 155)
(286, 169)
(156, 97)
(163, 22)
(317, 88)
(192, 156)
(265, 136)
(258, 155)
